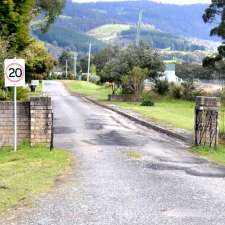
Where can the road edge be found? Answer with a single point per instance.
(140, 121)
(135, 119)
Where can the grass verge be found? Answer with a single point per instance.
(134, 154)
(170, 112)
(174, 113)
(94, 91)
(217, 155)
(27, 172)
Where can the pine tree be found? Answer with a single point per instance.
(16, 15)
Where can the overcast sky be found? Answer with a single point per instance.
(163, 1)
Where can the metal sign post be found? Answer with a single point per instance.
(14, 71)
(15, 119)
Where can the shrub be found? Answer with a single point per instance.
(147, 100)
(94, 79)
(22, 94)
(188, 90)
(161, 87)
(84, 77)
(3, 95)
(177, 91)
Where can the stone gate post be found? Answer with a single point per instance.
(206, 121)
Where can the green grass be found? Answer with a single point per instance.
(108, 32)
(88, 89)
(170, 112)
(217, 155)
(175, 113)
(27, 172)
(38, 92)
(134, 154)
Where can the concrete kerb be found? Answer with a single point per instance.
(141, 121)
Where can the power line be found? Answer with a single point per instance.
(89, 62)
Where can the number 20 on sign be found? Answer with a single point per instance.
(14, 72)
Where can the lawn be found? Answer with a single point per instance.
(175, 113)
(167, 111)
(217, 155)
(94, 91)
(27, 172)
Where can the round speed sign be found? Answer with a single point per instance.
(14, 72)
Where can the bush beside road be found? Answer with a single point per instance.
(28, 172)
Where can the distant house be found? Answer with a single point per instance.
(170, 73)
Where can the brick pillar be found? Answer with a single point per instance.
(7, 123)
(41, 121)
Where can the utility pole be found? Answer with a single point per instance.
(75, 65)
(66, 69)
(89, 63)
(139, 28)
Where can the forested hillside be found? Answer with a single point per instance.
(185, 20)
(164, 27)
(65, 37)
(119, 33)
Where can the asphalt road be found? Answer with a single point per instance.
(163, 185)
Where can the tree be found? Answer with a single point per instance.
(93, 69)
(142, 56)
(3, 55)
(104, 56)
(190, 71)
(39, 62)
(69, 58)
(133, 83)
(215, 11)
(16, 15)
(50, 9)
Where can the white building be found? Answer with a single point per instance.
(170, 74)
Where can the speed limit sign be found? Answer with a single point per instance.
(14, 72)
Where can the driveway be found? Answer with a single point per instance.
(125, 174)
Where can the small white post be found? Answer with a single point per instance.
(15, 119)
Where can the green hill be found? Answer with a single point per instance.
(122, 33)
(175, 30)
(182, 20)
(108, 33)
(66, 38)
